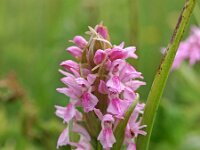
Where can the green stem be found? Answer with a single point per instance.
(197, 14)
(161, 76)
(134, 23)
(189, 76)
(99, 146)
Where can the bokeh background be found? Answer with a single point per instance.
(33, 38)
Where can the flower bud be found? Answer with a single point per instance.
(80, 42)
(99, 56)
(75, 51)
(102, 30)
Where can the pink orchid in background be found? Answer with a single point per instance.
(188, 49)
(102, 85)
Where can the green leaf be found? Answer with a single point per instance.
(161, 76)
(120, 129)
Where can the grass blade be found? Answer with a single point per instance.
(161, 76)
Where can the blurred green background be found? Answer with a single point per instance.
(33, 38)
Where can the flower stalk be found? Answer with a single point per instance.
(197, 13)
(161, 76)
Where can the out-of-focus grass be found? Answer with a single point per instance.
(33, 38)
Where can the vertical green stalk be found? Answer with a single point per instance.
(161, 76)
(197, 14)
(133, 6)
(134, 23)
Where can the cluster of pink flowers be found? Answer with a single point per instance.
(189, 49)
(103, 85)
